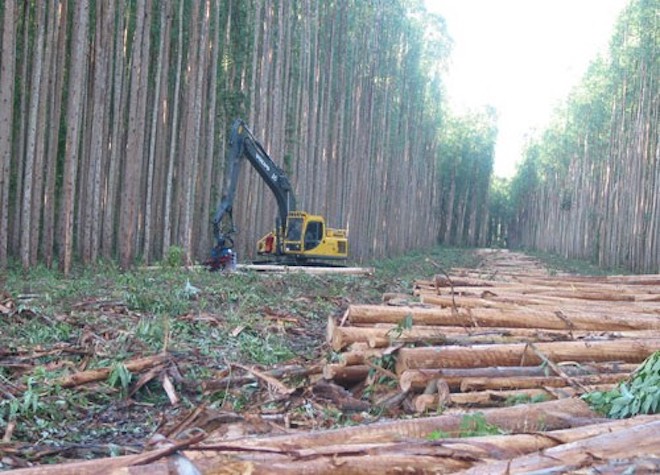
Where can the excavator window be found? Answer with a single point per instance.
(313, 234)
(294, 229)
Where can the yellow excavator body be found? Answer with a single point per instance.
(306, 238)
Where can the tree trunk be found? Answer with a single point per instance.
(132, 176)
(629, 351)
(117, 135)
(77, 79)
(7, 68)
(149, 202)
(389, 334)
(94, 375)
(55, 95)
(105, 16)
(551, 415)
(532, 382)
(169, 186)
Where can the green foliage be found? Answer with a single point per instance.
(579, 183)
(438, 434)
(525, 399)
(175, 257)
(472, 425)
(557, 263)
(639, 395)
(500, 212)
(405, 324)
(466, 165)
(267, 350)
(156, 293)
(120, 377)
(400, 272)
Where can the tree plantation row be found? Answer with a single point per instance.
(116, 142)
(114, 119)
(589, 186)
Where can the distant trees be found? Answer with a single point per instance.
(590, 185)
(466, 165)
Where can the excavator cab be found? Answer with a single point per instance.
(306, 238)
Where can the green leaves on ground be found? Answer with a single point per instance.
(472, 425)
(639, 395)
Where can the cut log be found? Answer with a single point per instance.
(482, 384)
(359, 357)
(341, 337)
(551, 415)
(637, 441)
(490, 398)
(388, 296)
(326, 458)
(383, 335)
(371, 314)
(276, 268)
(339, 396)
(514, 301)
(520, 354)
(417, 379)
(366, 465)
(345, 375)
(580, 294)
(465, 302)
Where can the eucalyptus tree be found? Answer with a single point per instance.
(114, 118)
(595, 189)
(466, 164)
(7, 68)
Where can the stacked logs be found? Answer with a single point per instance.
(475, 341)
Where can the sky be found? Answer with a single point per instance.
(523, 57)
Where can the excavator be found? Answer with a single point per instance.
(299, 238)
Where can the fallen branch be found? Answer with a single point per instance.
(100, 374)
(272, 382)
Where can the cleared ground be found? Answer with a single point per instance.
(110, 363)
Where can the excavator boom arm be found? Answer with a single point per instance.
(243, 145)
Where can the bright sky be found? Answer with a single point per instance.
(522, 57)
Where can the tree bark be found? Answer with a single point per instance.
(524, 318)
(629, 351)
(29, 174)
(77, 80)
(55, 95)
(7, 68)
(417, 379)
(135, 150)
(628, 442)
(531, 382)
(389, 334)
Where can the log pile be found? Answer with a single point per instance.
(552, 437)
(485, 338)
(502, 353)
